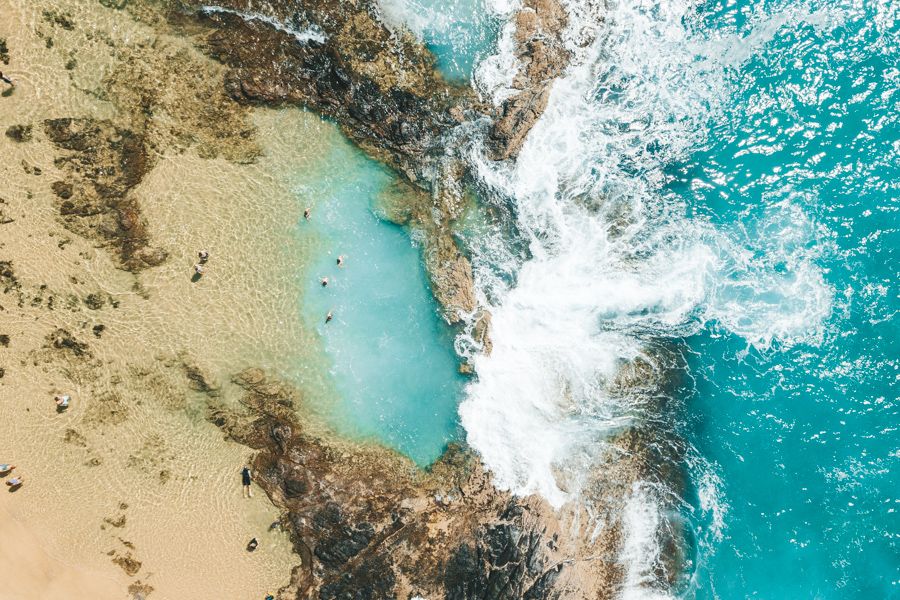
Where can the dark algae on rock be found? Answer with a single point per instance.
(103, 163)
(366, 523)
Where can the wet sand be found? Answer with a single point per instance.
(131, 486)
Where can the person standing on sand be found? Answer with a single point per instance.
(5, 468)
(15, 482)
(62, 402)
(246, 480)
(6, 79)
(204, 256)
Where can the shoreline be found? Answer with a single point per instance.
(137, 155)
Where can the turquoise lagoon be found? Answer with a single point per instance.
(390, 355)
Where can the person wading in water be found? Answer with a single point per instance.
(246, 480)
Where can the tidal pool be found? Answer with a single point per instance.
(391, 360)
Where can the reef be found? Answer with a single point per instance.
(103, 164)
(366, 523)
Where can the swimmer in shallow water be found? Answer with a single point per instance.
(324, 281)
(307, 213)
(328, 317)
(340, 260)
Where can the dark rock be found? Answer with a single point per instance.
(4, 340)
(19, 133)
(294, 488)
(198, 380)
(508, 563)
(94, 301)
(104, 163)
(369, 580)
(343, 543)
(63, 340)
(64, 190)
(8, 279)
(129, 564)
(60, 19)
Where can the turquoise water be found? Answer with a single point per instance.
(392, 361)
(459, 32)
(792, 407)
(804, 166)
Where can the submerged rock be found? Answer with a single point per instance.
(104, 163)
(19, 133)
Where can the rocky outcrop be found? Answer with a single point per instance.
(380, 86)
(542, 57)
(103, 164)
(366, 523)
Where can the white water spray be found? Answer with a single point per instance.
(614, 261)
(303, 36)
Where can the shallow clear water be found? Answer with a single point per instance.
(391, 356)
(459, 32)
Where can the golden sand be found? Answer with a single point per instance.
(132, 473)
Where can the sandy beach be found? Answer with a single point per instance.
(131, 490)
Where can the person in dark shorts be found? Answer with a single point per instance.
(246, 480)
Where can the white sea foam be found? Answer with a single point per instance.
(614, 261)
(640, 548)
(304, 36)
